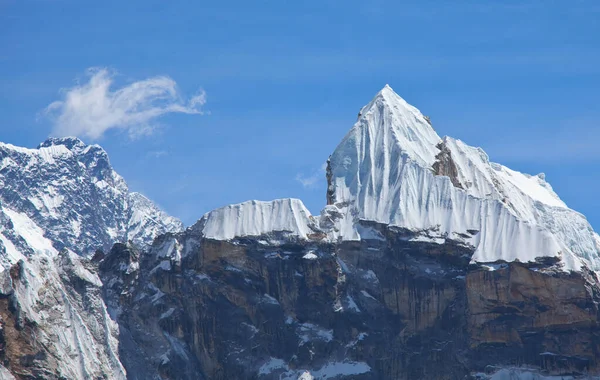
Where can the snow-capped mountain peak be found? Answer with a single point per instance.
(71, 192)
(393, 168)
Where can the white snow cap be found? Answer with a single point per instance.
(384, 171)
(256, 218)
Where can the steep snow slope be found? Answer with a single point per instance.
(393, 168)
(255, 218)
(71, 191)
(5, 374)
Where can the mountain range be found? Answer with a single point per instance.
(427, 261)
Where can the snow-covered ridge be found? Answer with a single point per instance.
(393, 168)
(256, 218)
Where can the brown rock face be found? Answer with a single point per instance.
(547, 319)
(17, 340)
(444, 165)
(388, 309)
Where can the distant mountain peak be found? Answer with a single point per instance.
(71, 192)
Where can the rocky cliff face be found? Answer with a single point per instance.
(54, 323)
(387, 308)
(428, 262)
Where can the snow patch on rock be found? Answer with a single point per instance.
(309, 331)
(271, 365)
(331, 370)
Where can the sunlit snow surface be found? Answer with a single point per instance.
(5, 374)
(382, 171)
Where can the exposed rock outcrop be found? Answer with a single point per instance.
(444, 165)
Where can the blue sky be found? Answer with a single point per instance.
(284, 82)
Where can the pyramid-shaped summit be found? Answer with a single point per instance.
(393, 168)
(389, 119)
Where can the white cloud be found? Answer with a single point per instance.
(311, 181)
(90, 109)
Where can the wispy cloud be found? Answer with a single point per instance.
(90, 109)
(311, 181)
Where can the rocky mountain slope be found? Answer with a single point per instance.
(57, 202)
(428, 262)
